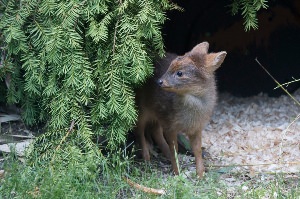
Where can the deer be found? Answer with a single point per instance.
(179, 98)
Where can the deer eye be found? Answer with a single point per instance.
(179, 73)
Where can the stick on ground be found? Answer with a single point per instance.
(145, 189)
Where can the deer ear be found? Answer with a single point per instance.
(214, 60)
(201, 48)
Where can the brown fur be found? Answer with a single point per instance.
(179, 103)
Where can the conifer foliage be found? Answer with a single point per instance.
(248, 8)
(79, 61)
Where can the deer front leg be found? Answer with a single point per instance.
(196, 143)
(160, 140)
(173, 145)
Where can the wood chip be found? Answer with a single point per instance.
(256, 130)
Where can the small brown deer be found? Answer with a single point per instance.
(180, 97)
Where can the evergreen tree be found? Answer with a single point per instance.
(77, 62)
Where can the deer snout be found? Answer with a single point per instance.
(160, 82)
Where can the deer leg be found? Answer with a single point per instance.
(196, 143)
(173, 145)
(140, 134)
(161, 141)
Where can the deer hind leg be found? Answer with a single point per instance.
(173, 146)
(196, 143)
(140, 135)
(160, 140)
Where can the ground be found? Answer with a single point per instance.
(250, 143)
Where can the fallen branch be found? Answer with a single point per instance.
(143, 188)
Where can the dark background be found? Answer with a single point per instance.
(276, 43)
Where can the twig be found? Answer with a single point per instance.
(115, 36)
(298, 116)
(295, 100)
(115, 32)
(143, 188)
(287, 83)
(63, 139)
(2, 173)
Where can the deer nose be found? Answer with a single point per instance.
(160, 82)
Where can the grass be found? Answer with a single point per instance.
(77, 180)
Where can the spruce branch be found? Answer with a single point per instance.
(248, 9)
